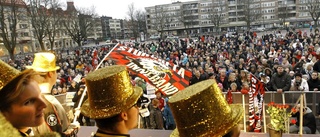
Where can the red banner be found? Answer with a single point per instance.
(167, 77)
(256, 94)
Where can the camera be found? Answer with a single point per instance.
(298, 83)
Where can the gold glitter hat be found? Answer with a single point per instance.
(109, 92)
(44, 62)
(7, 74)
(201, 110)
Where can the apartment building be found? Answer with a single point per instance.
(26, 37)
(203, 16)
(168, 13)
(115, 28)
(112, 28)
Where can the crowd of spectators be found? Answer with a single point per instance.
(282, 61)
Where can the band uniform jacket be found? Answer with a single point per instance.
(55, 117)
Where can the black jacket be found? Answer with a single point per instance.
(316, 66)
(282, 81)
(309, 121)
(76, 98)
(313, 83)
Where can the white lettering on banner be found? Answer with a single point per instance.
(251, 107)
(155, 79)
(181, 72)
(160, 82)
(135, 52)
(253, 94)
(123, 48)
(169, 88)
(161, 62)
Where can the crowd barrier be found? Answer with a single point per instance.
(311, 99)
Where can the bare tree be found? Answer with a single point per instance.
(141, 21)
(79, 23)
(38, 13)
(188, 17)
(10, 13)
(314, 10)
(251, 13)
(216, 14)
(132, 21)
(160, 19)
(183, 20)
(168, 20)
(283, 14)
(55, 14)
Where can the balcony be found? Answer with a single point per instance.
(231, 3)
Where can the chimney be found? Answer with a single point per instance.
(70, 5)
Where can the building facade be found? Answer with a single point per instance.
(112, 28)
(26, 37)
(202, 16)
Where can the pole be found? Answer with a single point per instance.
(77, 110)
(244, 117)
(264, 117)
(286, 122)
(301, 114)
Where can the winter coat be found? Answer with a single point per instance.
(167, 114)
(156, 120)
(281, 81)
(309, 120)
(302, 87)
(314, 83)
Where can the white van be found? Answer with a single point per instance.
(261, 29)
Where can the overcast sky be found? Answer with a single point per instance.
(118, 8)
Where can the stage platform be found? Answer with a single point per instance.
(86, 131)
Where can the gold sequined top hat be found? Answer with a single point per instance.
(109, 92)
(7, 130)
(44, 62)
(201, 110)
(7, 74)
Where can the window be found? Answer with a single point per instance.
(23, 26)
(24, 34)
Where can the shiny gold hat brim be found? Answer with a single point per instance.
(38, 69)
(8, 73)
(237, 115)
(107, 112)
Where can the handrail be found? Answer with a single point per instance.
(302, 99)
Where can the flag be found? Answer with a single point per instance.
(256, 94)
(94, 62)
(229, 97)
(165, 76)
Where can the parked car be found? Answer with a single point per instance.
(154, 37)
(261, 29)
(172, 37)
(108, 41)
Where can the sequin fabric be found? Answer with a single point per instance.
(7, 129)
(201, 110)
(109, 92)
(7, 73)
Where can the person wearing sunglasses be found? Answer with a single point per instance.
(113, 102)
